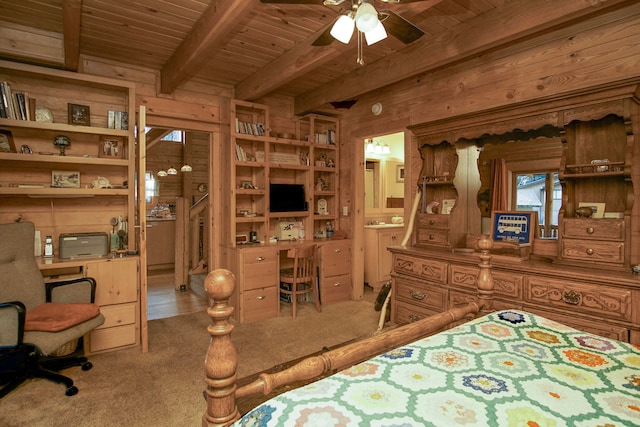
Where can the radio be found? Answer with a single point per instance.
(81, 245)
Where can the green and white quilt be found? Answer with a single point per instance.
(509, 368)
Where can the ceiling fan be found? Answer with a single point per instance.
(363, 17)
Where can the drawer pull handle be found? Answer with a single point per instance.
(260, 258)
(590, 230)
(414, 317)
(260, 297)
(589, 251)
(571, 297)
(337, 284)
(431, 237)
(431, 222)
(417, 295)
(338, 250)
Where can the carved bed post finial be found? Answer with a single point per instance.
(221, 361)
(485, 279)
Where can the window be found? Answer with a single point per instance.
(151, 187)
(540, 192)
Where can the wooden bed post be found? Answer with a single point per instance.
(485, 278)
(221, 362)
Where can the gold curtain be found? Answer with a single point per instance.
(499, 185)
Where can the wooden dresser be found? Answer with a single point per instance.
(597, 301)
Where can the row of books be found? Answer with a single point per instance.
(16, 105)
(326, 137)
(245, 156)
(249, 128)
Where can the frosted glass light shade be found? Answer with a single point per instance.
(386, 149)
(162, 173)
(342, 30)
(172, 171)
(374, 36)
(366, 17)
(186, 168)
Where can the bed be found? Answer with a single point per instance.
(503, 368)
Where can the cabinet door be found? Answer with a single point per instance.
(116, 280)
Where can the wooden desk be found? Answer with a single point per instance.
(257, 271)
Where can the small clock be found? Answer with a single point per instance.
(202, 187)
(322, 207)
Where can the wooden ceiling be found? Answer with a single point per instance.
(260, 49)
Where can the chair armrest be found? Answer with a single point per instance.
(72, 291)
(12, 320)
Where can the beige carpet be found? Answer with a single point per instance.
(164, 387)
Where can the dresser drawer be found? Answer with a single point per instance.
(458, 299)
(424, 268)
(258, 304)
(110, 338)
(118, 315)
(599, 229)
(611, 303)
(432, 236)
(413, 292)
(593, 250)
(602, 329)
(335, 289)
(505, 284)
(429, 221)
(406, 313)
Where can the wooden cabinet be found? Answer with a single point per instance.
(597, 301)
(377, 258)
(597, 172)
(161, 243)
(118, 295)
(335, 271)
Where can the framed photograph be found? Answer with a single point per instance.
(79, 114)
(6, 142)
(513, 227)
(111, 147)
(597, 208)
(400, 173)
(65, 179)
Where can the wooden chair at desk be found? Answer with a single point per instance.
(302, 278)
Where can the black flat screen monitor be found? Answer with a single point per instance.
(287, 198)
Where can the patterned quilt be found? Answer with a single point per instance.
(509, 368)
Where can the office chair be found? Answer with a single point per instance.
(301, 279)
(36, 320)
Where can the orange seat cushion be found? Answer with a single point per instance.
(55, 317)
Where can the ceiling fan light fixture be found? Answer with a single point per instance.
(375, 35)
(342, 30)
(366, 17)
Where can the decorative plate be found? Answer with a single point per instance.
(44, 115)
(202, 187)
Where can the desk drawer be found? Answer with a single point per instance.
(111, 338)
(118, 315)
(423, 268)
(432, 236)
(610, 303)
(335, 259)
(258, 304)
(429, 221)
(418, 294)
(335, 289)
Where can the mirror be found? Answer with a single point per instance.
(384, 173)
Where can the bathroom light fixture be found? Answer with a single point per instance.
(386, 149)
(377, 149)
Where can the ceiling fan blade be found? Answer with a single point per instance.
(400, 28)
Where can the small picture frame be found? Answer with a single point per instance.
(65, 179)
(400, 173)
(247, 185)
(111, 147)
(79, 114)
(597, 208)
(513, 227)
(6, 142)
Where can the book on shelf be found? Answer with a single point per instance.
(15, 105)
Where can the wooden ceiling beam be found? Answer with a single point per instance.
(516, 19)
(212, 31)
(154, 135)
(71, 21)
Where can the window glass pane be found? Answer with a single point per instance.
(531, 195)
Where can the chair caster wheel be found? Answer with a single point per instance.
(86, 366)
(71, 391)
